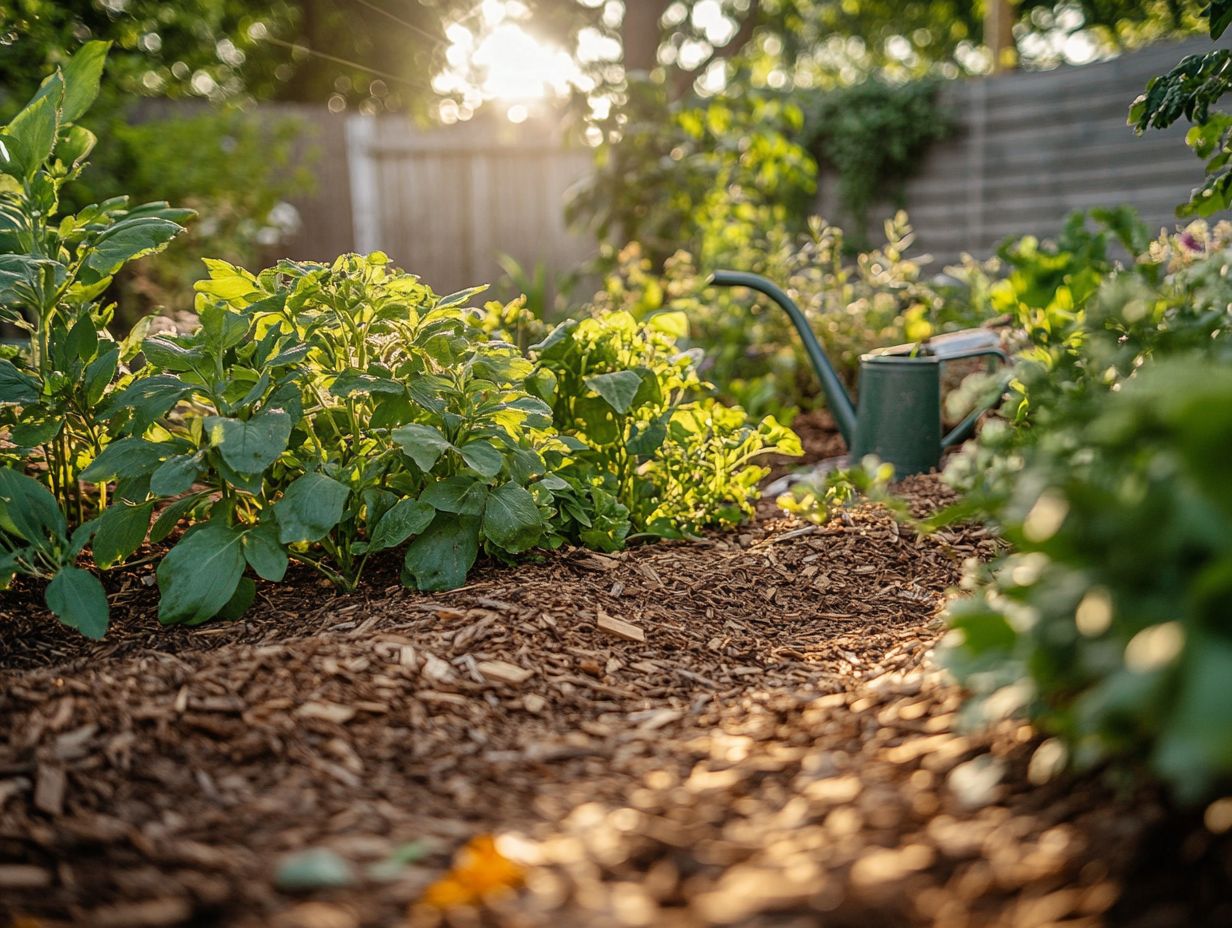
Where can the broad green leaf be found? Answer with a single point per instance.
(675, 323)
(199, 575)
(422, 444)
(442, 556)
(15, 387)
(35, 127)
(458, 495)
(309, 508)
(405, 518)
(121, 530)
(77, 598)
(176, 475)
(483, 457)
(618, 388)
(81, 79)
(241, 599)
(511, 520)
(264, 553)
(128, 457)
(250, 446)
(100, 372)
(82, 340)
(349, 382)
(129, 240)
(150, 398)
(75, 145)
(170, 517)
(28, 510)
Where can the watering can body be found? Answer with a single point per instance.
(898, 417)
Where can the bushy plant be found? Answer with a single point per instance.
(54, 272)
(628, 401)
(1107, 622)
(878, 298)
(323, 413)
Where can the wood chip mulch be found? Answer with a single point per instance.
(746, 730)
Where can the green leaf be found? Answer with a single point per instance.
(511, 520)
(149, 398)
(458, 495)
(483, 457)
(1220, 12)
(15, 387)
(82, 340)
(405, 518)
(81, 79)
(121, 530)
(350, 382)
(100, 372)
(170, 517)
(77, 598)
(241, 599)
(618, 388)
(199, 575)
(128, 457)
(28, 510)
(128, 240)
(264, 553)
(34, 129)
(441, 557)
(250, 446)
(176, 475)
(309, 508)
(422, 444)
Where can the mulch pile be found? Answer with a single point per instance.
(743, 730)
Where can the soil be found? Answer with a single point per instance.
(750, 730)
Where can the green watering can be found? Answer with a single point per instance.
(899, 414)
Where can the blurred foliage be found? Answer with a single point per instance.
(698, 174)
(1190, 90)
(236, 169)
(874, 135)
(880, 297)
(1108, 623)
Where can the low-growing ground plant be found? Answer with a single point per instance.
(1108, 623)
(633, 408)
(323, 413)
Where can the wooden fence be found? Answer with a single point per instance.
(1028, 149)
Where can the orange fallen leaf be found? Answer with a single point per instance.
(479, 873)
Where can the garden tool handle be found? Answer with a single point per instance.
(963, 430)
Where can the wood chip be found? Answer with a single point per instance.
(504, 672)
(620, 627)
(49, 789)
(21, 876)
(326, 712)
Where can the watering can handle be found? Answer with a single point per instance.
(963, 430)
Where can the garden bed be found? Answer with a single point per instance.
(778, 746)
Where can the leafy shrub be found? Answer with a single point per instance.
(1189, 90)
(874, 135)
(704, 175)
(1108, 623)
(54, 271)
(322, 413)
(625, 398)
(879, 298)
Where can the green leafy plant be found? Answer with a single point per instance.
(874, 135)
(323, 413)
(818, 498)
(1190, 90)
(627, 400)
(1106, 624)
(54, 271)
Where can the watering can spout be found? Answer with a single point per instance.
(837, 398)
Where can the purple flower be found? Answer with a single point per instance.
(1190, 243)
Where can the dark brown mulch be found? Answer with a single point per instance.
(778, 750)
